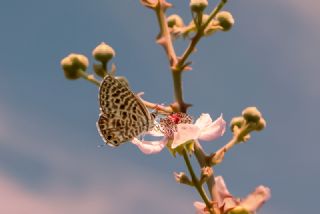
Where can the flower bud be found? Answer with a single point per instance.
(182, 178)
(251, 114)
(73, 64)
(175, 20)
(261, 124)
(198, 5)
(238, 122)
(103, 53)
(225, 20)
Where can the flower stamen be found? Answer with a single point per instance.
(168, 125)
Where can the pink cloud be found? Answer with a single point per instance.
(128, 195)
(16, 199)
(308, 9)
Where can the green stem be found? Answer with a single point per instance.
(104, 66)
(196, 182)
(88, 77)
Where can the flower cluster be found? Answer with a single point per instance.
(226, 203)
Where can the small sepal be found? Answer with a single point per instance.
(206, 173)
(182, 178)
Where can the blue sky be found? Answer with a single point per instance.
(49, 159)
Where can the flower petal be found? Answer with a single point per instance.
(221, 189)
(203, 121)
(200, 207)
(184, 133)
(150, 147)
(213, 130)
(256, 199)
(155, 132)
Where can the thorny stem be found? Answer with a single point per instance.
(178, 90)
(165, 40)
(199, 35)
(177, 67)
(237, 137)
(201, 158)
(199, 153)
(196, 182)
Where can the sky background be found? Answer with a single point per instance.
(50, 161)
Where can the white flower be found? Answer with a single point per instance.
(179, 129)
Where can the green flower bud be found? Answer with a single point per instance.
(251, 114)
(175, 20)
(73, 64)
(198, 5)
(237, 121)
(225, 20)
(103, 53)
(261, 124)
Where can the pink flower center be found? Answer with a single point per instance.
(168, 125)
(174, 118)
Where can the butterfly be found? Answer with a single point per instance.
(123, 115)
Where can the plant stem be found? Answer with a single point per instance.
(160, 108)
(88, 77)
(199, 35)
(164, 38)
(196, 182)
(178, 67)
(178, 90)
(201, 158)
